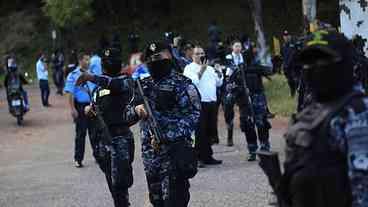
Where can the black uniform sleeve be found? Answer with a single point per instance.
(116, 85)
(132, 117)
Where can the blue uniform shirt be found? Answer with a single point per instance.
(42, 73)
(80, 93)
(95, 66)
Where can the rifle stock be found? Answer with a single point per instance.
(270, 164)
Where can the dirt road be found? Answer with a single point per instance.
(36, 165)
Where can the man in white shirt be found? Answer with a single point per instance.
(207, 79)
(42, 76)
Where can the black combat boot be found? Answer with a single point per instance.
(230, 141)
(252, 157)
(121, 198)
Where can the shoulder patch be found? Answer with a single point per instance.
(103, 92)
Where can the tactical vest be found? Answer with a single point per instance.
(113, 107)
(315, 174)
(253, 80)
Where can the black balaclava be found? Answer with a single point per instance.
(111, 61)
(157, 65)
(159, 68)
(328, 65)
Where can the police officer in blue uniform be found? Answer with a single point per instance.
(113, 112)
(78, 99)
(176, 105)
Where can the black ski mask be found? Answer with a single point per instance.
(111, 61)
(159, 68)
(327, 63)
(158, 64)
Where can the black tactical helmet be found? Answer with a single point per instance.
(327, 60)
(153, 49)
(158, 62)
(111, 61)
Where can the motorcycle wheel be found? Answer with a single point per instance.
(20, 120)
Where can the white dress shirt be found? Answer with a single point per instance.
(236, 59)
(208, 83)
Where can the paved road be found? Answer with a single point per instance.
(36, 166)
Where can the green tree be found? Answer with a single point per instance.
(68, 13)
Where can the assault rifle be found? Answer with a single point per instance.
(249, 102)
(270, 164)
(101, 126)
(152, 122)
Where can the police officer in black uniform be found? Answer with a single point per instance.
(252, 106)
(114, 112)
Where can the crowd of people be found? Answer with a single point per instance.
(175, 88)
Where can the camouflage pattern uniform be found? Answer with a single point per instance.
(248, 124)
(115, 158)
(175, 104)
(349, 135)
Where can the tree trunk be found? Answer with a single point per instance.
(309, 13)
(263, 53)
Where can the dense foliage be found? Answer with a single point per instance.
(68, 13)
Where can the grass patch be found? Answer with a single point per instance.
(2, 80)
(278, 96)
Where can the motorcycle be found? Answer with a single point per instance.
(17, 105)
